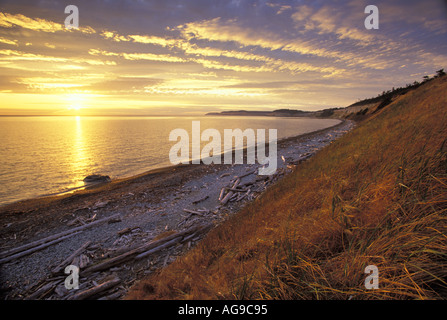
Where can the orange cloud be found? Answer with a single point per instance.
(328, 20)
(7, 56)
(8, 20)
(7, 41)
(138, 56)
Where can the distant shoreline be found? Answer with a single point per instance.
(274, 113)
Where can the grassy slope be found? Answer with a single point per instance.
(376, 196)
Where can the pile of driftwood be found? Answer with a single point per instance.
(98, 277)
(236, 190)
(194, 216)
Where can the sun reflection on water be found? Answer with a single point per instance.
(79, 161)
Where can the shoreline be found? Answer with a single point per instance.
(149, 204)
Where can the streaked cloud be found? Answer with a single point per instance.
(138, 56)
(16, 55)
(7, 41)
(19, 20)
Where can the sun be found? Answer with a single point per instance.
(75, 102)
(75, 107)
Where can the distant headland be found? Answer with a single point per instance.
(275, 113)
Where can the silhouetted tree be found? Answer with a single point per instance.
(440, 73)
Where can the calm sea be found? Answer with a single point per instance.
(48, 155)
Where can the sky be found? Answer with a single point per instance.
(189, 57)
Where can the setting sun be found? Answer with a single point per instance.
(75, 102)
(76, 107)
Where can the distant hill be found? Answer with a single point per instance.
(275, 113)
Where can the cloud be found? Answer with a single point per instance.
(145, 39)
(11, 55)
(7, 41)
(214, 64)
(228, 31)
(302, 13)
(11, 58)
(152, 57)
(330, 20)
(114, 36)
(201, 87)
(138, 56)
(269, 64)
(164, 42)
(8, 20)
(124, 84)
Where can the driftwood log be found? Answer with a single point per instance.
(64, 263)
(200, 200)
(95, 290)
(230, 193)
(131, 254)
(247, 174)
(221, 195)
(159, 248)
(193, 212)
(43, 290)
(45, 242)
(36, 248)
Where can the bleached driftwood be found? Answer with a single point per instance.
(95, 290)
(193, 212)
(36, 248)
(159, 248)
(146, 247)
(76, 221)
(236, 189)
(200, 200)
(301, 159)
(229, 195)
(247, 174)
(64, 263)
(57, 236)
(222, 192)
(43, 290)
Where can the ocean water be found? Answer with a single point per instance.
(49, 155)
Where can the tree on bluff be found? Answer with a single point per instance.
(440, 73)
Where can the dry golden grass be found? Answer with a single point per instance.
(376, 196)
